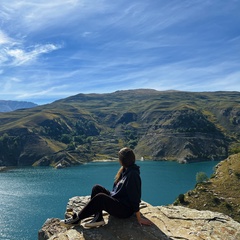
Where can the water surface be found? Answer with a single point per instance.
(28, 196)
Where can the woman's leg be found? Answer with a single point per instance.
(99, 189)
(103, 201)
(96, 205)
(96, 190)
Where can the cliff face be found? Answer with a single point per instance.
(169, 222)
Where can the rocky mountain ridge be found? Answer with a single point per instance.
(168, 125)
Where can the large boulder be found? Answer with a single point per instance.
(169, 222)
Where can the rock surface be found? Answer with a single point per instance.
(169, 222)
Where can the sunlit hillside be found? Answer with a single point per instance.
(169, 125)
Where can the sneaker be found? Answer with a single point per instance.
(96, 222)
(74, 220)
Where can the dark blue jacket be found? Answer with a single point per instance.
(128, 188)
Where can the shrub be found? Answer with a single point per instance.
(216, 200)
(237, 174)
(228, 206)
(181, 198)
(201, 177)
(80, 139)
(66, 138)
(71, 146)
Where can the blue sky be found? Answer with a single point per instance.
(54, 49)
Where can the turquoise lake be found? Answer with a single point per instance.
(28, 196)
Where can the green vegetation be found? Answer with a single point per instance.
(201, 177)
(181, 198)
(234, 148)
(220, 193)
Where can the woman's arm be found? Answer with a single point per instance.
(142, 221)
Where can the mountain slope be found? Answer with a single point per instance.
(221, 192)
(171, 125)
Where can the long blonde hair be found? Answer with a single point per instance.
(126, 158)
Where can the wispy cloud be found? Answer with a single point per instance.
(4, 39)
(18, 56)
(55, 91)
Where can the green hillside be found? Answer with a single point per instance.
(221, 192)
(169, 125)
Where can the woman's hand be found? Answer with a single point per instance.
(143, 221)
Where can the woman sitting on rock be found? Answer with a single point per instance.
(122, 202)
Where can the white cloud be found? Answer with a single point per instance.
(19, 56)
(7, 85)
(3, 38)
(86, 34)
(35, 94)
(14, 52)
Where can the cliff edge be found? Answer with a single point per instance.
(169, 222)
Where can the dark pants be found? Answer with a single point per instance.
(101, 200)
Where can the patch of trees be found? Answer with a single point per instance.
(9, 148)
(71, 133)
(192, 121)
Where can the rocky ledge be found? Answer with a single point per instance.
(169, 222)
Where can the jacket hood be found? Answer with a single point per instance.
(133, 167)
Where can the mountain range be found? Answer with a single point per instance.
(158, 125)
(8, 105)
